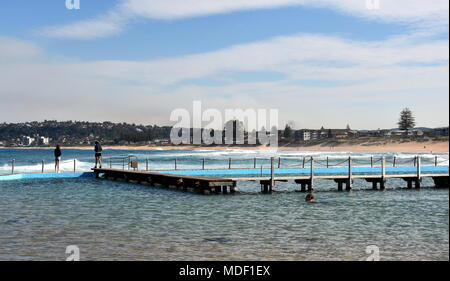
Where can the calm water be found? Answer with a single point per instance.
(118, 221)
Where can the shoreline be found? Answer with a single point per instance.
(423, 147)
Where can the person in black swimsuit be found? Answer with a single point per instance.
(57, 153)
(98, 154)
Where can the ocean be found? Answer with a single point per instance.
(110, 220)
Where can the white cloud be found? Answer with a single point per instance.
(103, 26)
(14, 50)
(296, 56)
(419, 13)
(377, 77)
(404, 10)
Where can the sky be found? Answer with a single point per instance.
(320, 63)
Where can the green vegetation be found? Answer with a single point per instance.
(85, 133)
(407, 120)
(76, 133)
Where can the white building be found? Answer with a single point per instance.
(306, 135)
(43, 141)
(26, 140)
(413, 132)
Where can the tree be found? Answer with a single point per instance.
(287, 132)
(406, 120)
(234, 132)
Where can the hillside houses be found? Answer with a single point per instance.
(319, 134)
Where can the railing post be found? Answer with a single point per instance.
(415, 161)
(272, 173)
(371, 161)
(419, 175)
(383, 173)
(229, 163)
(176, 164)
(203, 164)
(146, 164)
(327, 163)
(279, 162)
(13, 163)
(74, 165)
(110, 162)
(393, 163)
(123, 163)
(350, 175)
(311, 183)
(303, 165)
(435, 160)
(261, 170)
(418, 168)
(254, 162)
(42, 168)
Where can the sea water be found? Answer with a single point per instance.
(110, 220)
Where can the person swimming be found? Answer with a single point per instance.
(310, 198)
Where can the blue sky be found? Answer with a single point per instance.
(141, 59)
(150, 39)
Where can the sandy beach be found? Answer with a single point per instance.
(424, 147)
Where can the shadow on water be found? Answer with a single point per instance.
(16, 221)
(218, 240)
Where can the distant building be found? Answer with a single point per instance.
(352, 133)
(27, 141)
(306, 135)
(303, 135)
(338, 133)
(43, 140)
(364, 133)
(413, 132)
(162, 141)
(323, 134)
(394, 133)
(438, 132)
(13, 143)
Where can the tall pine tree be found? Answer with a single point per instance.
(406, 120)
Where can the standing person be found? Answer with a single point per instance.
(57, 153)
(98, 154)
